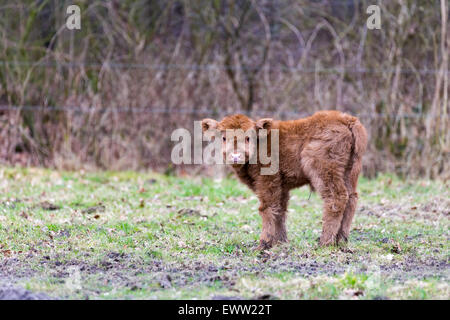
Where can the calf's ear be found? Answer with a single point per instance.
(209, 124)
(265, 123)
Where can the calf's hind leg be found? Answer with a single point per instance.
(347, 218)
(351, 181)
(331, 187)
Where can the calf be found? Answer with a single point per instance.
(324, 151)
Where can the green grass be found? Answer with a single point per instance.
(133, 235)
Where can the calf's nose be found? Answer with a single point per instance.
(235, 157)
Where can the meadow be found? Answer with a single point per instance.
(142, 235)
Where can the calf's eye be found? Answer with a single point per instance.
(224, 139)
(247, 139)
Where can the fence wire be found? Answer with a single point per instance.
(212, 67)
(201, 111)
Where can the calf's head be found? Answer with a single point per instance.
(239, 136)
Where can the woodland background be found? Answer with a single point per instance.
(109, 95)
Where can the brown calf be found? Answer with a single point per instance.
(324, 151)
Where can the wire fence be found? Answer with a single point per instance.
(197, 67)
(204, 110)
(201, 111)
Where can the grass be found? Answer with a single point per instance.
(130, 235)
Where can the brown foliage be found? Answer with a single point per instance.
(106, 96)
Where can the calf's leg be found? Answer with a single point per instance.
(332, 217)
(349, 212)
(273, 213)
(351, 181)
(331, 187)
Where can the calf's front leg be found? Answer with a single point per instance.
(273, 216)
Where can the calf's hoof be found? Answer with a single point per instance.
(327, 241)
(264, 245)
(341, 237)
(267, 244)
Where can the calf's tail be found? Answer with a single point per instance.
(359, 139)
(359, 145)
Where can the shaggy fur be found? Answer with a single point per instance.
(324, 151)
